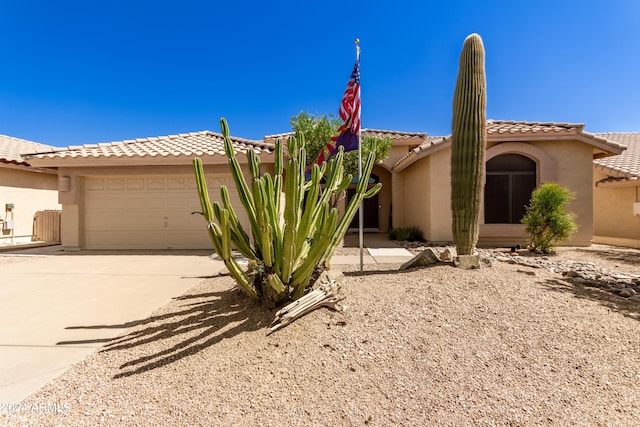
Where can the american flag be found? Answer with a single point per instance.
(349, 132)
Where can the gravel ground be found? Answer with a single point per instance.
(504, 345)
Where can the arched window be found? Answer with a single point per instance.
(511, 178)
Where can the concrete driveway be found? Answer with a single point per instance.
(51, 303)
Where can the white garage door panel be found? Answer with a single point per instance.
(138, 212)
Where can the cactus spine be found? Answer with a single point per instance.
(469, 141)
(288, 247)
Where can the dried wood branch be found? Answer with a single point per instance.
(325, 296)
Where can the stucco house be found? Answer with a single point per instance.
(140, 194)
(24, 190)
(616, 193)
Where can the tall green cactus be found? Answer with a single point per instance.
(469, 142)
(288, 246)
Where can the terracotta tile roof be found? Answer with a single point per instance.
(430, 143)
(518, 130)
(12, 149)
(393, 134)
(510, 127)
(186, 144)
(627, 163)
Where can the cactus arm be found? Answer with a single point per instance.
(290, 223)
(352, 208)
(239, 237)
(372, 191)
(241, 278)
(226, 234)
(241, 184)
(307, 227)
(274, 222)
(346, 182)
(267, 245)
(216, 237)
(254, 164)
(220, 237)
(278, 162)
(203, 193)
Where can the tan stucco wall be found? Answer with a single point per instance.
(411, 204)
(425, 194)
(614, 222)
(575, 172)
(396, 152)
(30, 192)
(430, 177)
(441, 197)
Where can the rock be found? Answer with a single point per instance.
(585, 282)
(529, 272)
(579, 273)
(448, 254)
(627, 293)
(571, 273)
(427, 257)
(486, 261)
(467, 262)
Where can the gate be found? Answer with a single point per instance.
(46, 226)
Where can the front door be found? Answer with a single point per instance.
(370, 207)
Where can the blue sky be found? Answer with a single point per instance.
(78, 72)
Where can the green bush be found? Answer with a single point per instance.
(411, 234)
(547, 221)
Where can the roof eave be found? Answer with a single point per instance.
(617, 172)
(27, 168)
(419, 153)
(149, 160)
(608, 147)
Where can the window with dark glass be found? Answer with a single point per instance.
(510, 180)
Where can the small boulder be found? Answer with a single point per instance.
(467, 262)
(448, 254)
(427, 257)
(627, 292)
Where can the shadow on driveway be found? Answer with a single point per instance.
(192, 323)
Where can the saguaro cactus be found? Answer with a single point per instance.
(469, 142)
(288, 246)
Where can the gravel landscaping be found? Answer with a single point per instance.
(511, 344)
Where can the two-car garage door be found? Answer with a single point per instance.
(149, 212)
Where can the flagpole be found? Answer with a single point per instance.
(361, 208)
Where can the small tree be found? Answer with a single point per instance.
(317, 130)
(546, 220)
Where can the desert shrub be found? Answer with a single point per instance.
(411, 234)
(546, 220)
